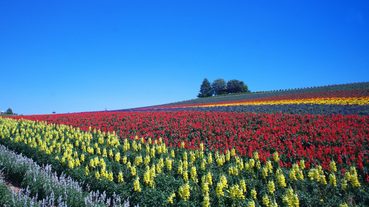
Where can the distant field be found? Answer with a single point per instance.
(335, 99)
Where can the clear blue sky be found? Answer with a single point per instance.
(69, 56)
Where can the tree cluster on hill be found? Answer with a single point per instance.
(221, 87)
(9, 111)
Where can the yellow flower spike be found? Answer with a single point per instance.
(206, 201)
(185, 165)
(117, 157)
(256, 155)
(120, 177)
(300, 175)
(233, 152)
(185, 176)
(302, 164)
(203, 165)
(209, 178)
(219, 190)
(228, 156)
(264, 172)
(254, 194)
(210, 158)
(271, 187)
(292, 175)
(251, 163)
(147, 160)
(133, 171)
(170, 199)
(251, 203)
(110, 176)
(269, 166)
(281, 180)
(353, 178)
(236, 192)
(172, 153)
(153, 152)
(332, 180)
(202, 146)
(323, 179)
(183, 144)
(169, 164)
(138, 160)
(276, 156)
(111, 154)
(87, 171)
(77, 162)
(71, 164)
(184, 192)
(266, 200)
(258, 164)
(180, 168)
(82, 157)
(194, 174)
(147, 177)
(125, 160)
(97, 175)
(205, 187)
(243, 185)
(184, 156)
(136, 185)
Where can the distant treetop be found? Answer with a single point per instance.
(221, 87)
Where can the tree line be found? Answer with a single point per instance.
(221, 87)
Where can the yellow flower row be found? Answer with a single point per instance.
(332, 100)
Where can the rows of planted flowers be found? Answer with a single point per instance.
(298, 102)
(317, 139)
(364, 100)
(339, 91)
(148, 172)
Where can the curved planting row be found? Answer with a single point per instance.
(150, 173)
(314, 138)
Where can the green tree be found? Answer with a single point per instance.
(205, 89)
(236, 86)
(9, 111)
(219, 86)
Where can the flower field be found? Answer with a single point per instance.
(150, 173)
(305, 147)
(316, 139)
